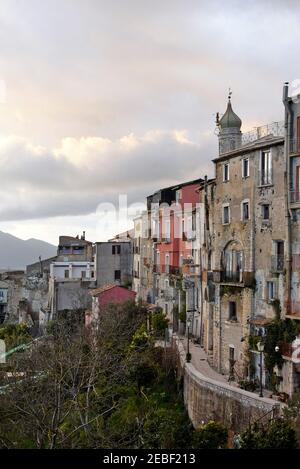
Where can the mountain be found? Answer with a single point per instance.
(15, 253)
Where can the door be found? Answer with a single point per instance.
(280, 254)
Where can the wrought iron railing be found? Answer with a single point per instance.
(276, 129)
(293, 308)
(277, 263)
(294, 145)
(294, 197)
(232, 276)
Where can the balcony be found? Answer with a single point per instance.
(294, 145)
(174, 270)
(166, 239)
(231, 276)
(295, 197)
(245, 279)
(293, 309)
(277, 264)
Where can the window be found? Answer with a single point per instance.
(266, 168)
(167, 263)
(245, 211)
(245, 168)
(270, 291)
(226, 215)
(117, 275)
(232, 311)
(225, 172)
(279, 256)
(178, 196)
(167, 229)
(67, 273)
(265, 212)
(92, 274)
(83, 274)
(116, 249)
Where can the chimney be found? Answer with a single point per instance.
(83, 236)
(285, 91)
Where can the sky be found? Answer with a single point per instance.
(118, 97)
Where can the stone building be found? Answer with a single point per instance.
(290, 372)
(113, 262)
(249, 238)
(71, 275)
(136, 274)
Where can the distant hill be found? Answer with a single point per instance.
(15, 253)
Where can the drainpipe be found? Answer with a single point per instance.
(288, 133)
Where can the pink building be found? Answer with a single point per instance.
(109, 294)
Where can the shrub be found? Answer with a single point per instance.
(212, 435)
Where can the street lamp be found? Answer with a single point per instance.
(188, 355)
(260, 348)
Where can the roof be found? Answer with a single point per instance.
(179, 185)
(230, 119)
(267, 141)
(110, 286)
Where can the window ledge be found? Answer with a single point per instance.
(261, 186)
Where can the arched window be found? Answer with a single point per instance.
(233, 262)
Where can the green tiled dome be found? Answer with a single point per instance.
(230, 119)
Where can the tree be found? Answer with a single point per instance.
(292, 414)
(278, 434)
(212, 435)
(59, 398)
(159, 323)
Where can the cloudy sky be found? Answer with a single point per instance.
(100, 98)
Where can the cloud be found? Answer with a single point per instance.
(76, 176)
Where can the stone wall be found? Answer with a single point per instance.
(207, 399)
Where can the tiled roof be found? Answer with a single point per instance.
(100, 290)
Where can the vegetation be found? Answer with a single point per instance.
(106, 388)
(279, 434)
(277, 332)
(292, 414)
(15, 334)
(213, 435)
(159, 322)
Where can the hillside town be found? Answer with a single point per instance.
(219, 256)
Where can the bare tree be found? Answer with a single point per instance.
(59, 399)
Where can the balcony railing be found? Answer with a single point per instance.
(294, 197)
(294, 145)
(277, 263)
(232, 277)
(293, 308)
(174, 270)
(276, 129)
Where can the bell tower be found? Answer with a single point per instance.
(230, 135)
